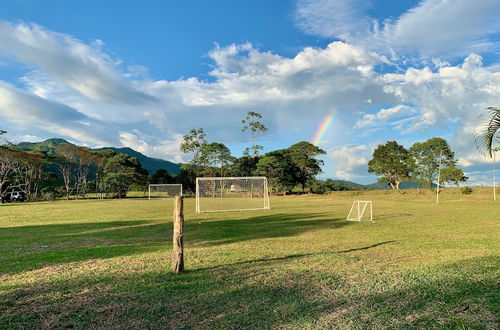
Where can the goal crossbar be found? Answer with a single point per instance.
(359, 210)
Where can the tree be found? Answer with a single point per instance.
(391, 162)
(195, 143)
(65, 161)
(161, 177)
(121, 171)
(486, 131)
(302, 156)
(217, 154)
(84, 159)
(251, 123)
(452, 174)
(278, 169)
(187, 177)
(8, 167)
(427, 157)
(244, 166)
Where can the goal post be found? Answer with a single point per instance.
(220, 194)
(361, 211)
(162, 190)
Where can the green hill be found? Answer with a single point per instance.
(48, 146)
(149, 163)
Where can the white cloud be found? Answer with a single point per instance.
(292, 92)
(166, 148)
(384, 115)
(450, 94)
(29, 110)
(80, 66)
(445, 27)
(343, 19)
(351, 161)
(431, 28)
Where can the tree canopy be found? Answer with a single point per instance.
(392, 163)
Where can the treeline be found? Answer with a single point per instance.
(284, 169)
(424, 162)
(71, 172)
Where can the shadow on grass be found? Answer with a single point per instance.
(258, 227)
(291, 256)
(73, 242)
(253, 297)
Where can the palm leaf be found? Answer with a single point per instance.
(485, 130)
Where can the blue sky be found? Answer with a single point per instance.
(142, 73)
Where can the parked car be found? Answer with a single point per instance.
(14, 196)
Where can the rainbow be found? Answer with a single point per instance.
(322, 128)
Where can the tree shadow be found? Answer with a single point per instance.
(35, 246)
(237, 298)
(293, 256)
(259, 227)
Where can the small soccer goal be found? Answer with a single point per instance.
(361, 211)
(162, 191)
(219, 194)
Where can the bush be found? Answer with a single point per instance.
(466, 190)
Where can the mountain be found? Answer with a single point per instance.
(149, 163)
(48, 146)
(351, 185)
(377, 185)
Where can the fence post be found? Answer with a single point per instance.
(178, 235)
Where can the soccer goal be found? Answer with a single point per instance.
(361, 211)
(164, 190)
(231, 194)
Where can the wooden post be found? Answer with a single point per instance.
(178, 239)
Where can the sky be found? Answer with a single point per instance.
(347, 75)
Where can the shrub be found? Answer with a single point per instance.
(466, 190)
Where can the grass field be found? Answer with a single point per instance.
(300, 265)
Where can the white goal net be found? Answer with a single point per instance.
(231, 194)
(164, 190)
(361, 211)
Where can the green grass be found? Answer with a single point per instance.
(300, 265)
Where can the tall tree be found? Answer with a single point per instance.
(121, 172)
(252, 123)
(427, 157)
(244, 166)
(194, 143)
(9, 160)
(217, 154)
(303, 156)
(84, 159)
(277, 167)
(392, 163)
(65, 161)
(486, 132)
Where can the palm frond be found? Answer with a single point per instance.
(486, 129)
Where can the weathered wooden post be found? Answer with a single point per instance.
(178, 239)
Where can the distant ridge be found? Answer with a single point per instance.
(377, 185)
(149, 163)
